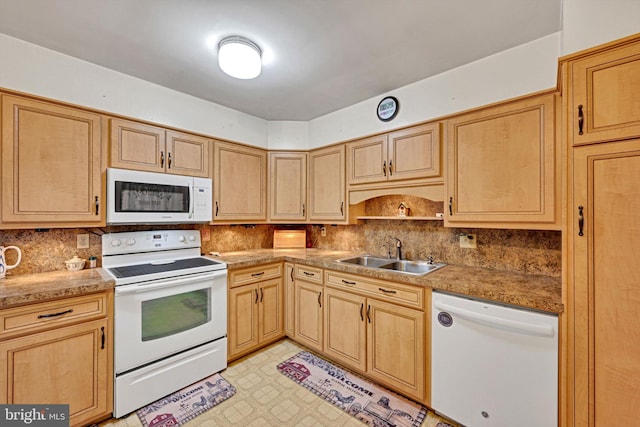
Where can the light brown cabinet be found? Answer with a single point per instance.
(287, 187)
(255, 308)
(604, 92)
(327, 185)
(503, 167)
(52, 162)
(239, 183)
(405, 154)
(377, 335)
(309, 311)
(602, 235)
(59, 352)
(150, 148)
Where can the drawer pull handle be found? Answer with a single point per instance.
(369, 313)
(580, 120)
(450, 206)
(261, 294)
(390, 167)
(45, 316)
(580, 221)
(319, 299)
(346, 282)
(387, 291)
(292, 279)
(256, 301)
(257, 274)
(361, 308)
(384, 168)
(103, 338)
(306, 273)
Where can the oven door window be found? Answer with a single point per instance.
(170, 315)
(140, 197)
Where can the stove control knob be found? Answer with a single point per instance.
(116, 242)
(192, 238)
(181, 239)
(131, 242)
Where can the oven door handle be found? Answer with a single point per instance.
(166, 283)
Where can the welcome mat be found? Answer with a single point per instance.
(369, 403)
(186, 404)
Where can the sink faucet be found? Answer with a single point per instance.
(398, 248)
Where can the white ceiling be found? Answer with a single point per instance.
(319, 55)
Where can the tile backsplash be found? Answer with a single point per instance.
(531, 252)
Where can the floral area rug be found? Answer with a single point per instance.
(186, 404)
(369, 403)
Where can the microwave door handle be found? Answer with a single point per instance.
(167, 283)
(191, 201)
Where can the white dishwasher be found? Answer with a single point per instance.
(493, 365)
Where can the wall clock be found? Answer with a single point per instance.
(388, 108)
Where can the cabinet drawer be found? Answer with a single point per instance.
(310, 274)
(41, 316)
(412, 296)
(249, 275)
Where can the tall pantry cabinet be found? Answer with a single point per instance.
(602, 112)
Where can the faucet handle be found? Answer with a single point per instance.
(430, 259)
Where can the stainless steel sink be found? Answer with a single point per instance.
(418, 268)
(413, 267)
(366, 261)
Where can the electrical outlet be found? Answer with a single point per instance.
(468, 241)
(82, 241)
(323, 231)
(205, 234)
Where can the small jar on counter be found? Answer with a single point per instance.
(93, 262)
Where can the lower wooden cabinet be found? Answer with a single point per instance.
(308, 311)
(255, 316)
(68, 362)
(386, 341)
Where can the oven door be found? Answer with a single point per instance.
(160, 318)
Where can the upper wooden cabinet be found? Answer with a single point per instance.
(51, 165)
(603, 97)
(154, 149)
(239, 183)
(327, 185)
(406, 154)
(503, 167)
(287, 186)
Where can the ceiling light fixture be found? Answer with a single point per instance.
(239, 57)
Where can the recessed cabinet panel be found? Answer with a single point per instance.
(414, 153)
(287, 186)
(187, 154)
(327, 184)
(502, 166)
(137, 146)
(604, 102)
(367, 160)
(51, 164)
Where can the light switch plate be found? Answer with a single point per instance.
(82, 241)
(468, 241)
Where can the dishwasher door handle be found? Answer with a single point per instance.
(497, 322)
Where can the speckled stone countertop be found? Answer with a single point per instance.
(536, 292)
(530, 291)
(30, 288)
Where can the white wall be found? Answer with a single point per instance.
(524, 69)
(287, 135)
(32, 69)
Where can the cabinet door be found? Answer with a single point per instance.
(240, 183)
(345, 329)
(396, 347)
(287, 186)
(289, 300)
(62, 366)
(604, 97)
(187, 154)
(137, 146)
(243, 319)
(51, 164)
(270, 311)
(309, 312)
(606, 295)
(327, 183)
(415, 152)
(367, 160)
(502, 166)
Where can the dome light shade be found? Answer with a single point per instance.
(239, 57)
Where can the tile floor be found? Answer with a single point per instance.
(265, 397)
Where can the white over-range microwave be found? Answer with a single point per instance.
(136, 197)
